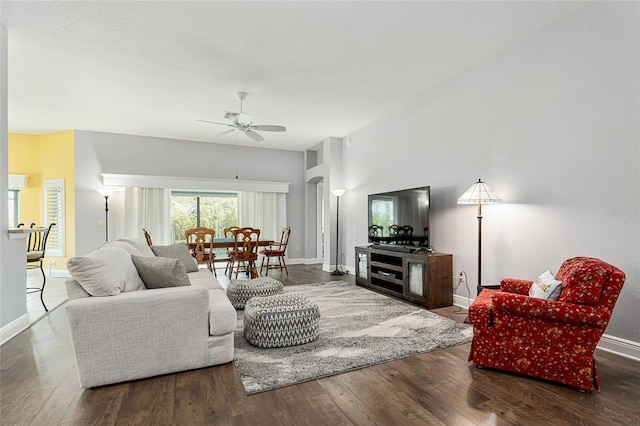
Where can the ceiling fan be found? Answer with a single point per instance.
(243, 122)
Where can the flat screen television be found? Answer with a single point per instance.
(400, 218)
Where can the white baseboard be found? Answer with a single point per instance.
(462, 301)
(302, 261)
(616, 345)
(58, 273)
(13, 328)
(314, 261)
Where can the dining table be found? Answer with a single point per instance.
(220, 244)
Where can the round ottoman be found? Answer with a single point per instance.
(281, 320)
(240, 291)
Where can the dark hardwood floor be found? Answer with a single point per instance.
(39, 386)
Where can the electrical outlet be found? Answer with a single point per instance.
(461, 276)
(53, 263)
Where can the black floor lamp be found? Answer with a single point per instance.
(479, 193)
(106, 193)
(338, 193)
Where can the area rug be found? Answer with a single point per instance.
(358, 328)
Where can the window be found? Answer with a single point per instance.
(54, 213)
(382, 212)
(217, 210)
(14, 207)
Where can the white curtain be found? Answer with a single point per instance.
(148, 208)
(264, 210)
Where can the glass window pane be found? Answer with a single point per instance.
(13, 208)
(183, 215)
(218, 213)
(213, 210)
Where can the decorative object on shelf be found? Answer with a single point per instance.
(479, 193)
(338, 193)
(106, 192)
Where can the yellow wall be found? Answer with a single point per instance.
(23, 156)
(42, 157)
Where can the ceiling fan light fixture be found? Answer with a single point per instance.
(244, 119)
(244, 122)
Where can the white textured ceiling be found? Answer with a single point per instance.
(320, 68)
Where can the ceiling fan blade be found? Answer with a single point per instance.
(269, 128)
(215, 122)
(224, 133)
(253, 135)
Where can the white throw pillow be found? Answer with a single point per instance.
(106, 272)
(119, 243)
(546, 287)
(139, 244)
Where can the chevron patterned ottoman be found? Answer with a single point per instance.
(281, 320)
(240, 291)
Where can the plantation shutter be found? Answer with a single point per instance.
(54, 213)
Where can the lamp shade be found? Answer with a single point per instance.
(338, 192)
(107, 191)
(479, 193)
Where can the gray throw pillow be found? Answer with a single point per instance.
(177, 251)
(160, 272)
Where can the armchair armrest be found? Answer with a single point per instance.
(566, 312)
(515, 285)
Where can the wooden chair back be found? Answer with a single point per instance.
(228, 232)
(246, 243)
(200, 243)
(147, 237)
(284, 239)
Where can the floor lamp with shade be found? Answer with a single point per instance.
(338, 193)
(479, 193)
(106, 192)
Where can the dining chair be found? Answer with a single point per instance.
(228, 233)
(277, 250)
(245, 251)
(200, 243)
(36, 248)
(147, 237)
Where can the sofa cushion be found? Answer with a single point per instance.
(222, 315)
(160, 272)
(177, 251)
(546, 287)
(140, 244)
(204, 277)
(105, 272)
(583, 280)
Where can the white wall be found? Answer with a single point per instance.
(98, 153)
(552, 126)
(13, 275)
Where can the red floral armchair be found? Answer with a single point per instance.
(548, 339)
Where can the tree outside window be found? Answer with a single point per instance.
(193, 209)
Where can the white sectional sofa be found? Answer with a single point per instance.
(123, 331)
